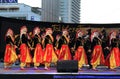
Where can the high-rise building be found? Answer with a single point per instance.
(50, 11)
(70, 11)
(67, 11)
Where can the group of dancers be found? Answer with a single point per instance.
(93, 48)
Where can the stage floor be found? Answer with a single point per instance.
(30, 73)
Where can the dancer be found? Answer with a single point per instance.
(97, 54)
(36, 44)
(118, 37)
(105, 43)
(65, 50)
(49, 53)
(57, 45)
(80, 54)
(25, 57)
(113, 59)
(88, 46)
(10, 54)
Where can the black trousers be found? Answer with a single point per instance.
(89, 59)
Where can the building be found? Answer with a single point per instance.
(67, 11)
(20, 11)
(50, 10)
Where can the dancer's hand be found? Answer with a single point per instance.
(89, 50)
(15, 46)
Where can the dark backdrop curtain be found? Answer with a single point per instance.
(15, 24)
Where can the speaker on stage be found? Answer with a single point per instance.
(67, 66)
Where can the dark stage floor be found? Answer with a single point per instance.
(85, 73)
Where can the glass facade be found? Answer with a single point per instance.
(70, 11)
(67, 11)
(50, 10)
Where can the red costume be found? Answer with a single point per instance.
(80, 54)
(38, 52)
(25, 56)
(65, 50)
(113, 59)
(10, 53)
(97, 54)
(49, 53)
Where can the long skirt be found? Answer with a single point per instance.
(65, 53)
(38, 55)
(49, 54)
(97, 56)
(80, 55)
(113, 59)
(10, 55)
(25, 56)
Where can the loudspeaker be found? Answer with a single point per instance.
(67, 66)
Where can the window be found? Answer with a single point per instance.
(3, 9)
(13, 9)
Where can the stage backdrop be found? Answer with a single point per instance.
(15, 24)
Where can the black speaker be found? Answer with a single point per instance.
(67, 66)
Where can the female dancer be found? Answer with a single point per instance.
(10, 53)
(80, 54)
(65, 50)
(25, 57)
(113, 59)
(57, 45)
(97, 54)
(49, 53)
(36, 44)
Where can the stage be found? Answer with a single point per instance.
(30, 73)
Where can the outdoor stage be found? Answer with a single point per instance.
(85, 73)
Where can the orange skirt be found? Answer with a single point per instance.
(25, 56)
(80, 55)
(49, 54)
(113, 59)
(38, 54)
(65, 53)
(10, 54)
(97, 56)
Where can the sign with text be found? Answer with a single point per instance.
(8, 1)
